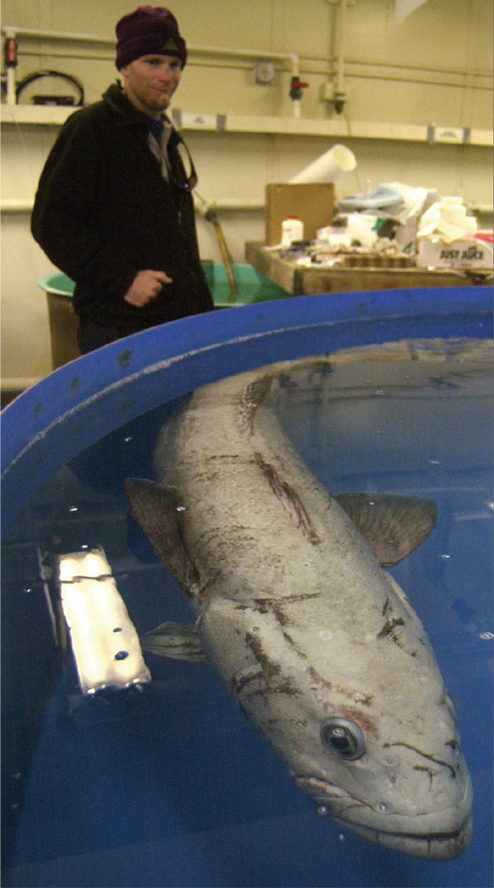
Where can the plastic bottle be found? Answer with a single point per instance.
(292, 229)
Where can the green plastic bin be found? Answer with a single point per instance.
(251, 284)
(63, 320)
(59, 288)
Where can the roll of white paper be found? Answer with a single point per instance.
(329, 167)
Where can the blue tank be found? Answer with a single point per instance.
(165, 782)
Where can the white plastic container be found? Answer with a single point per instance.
(292, 229)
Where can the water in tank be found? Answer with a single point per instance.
(166, 782)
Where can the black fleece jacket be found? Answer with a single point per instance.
(103, 212)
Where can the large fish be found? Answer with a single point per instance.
(320, 646)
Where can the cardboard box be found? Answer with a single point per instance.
(472, 253)
(313, 203)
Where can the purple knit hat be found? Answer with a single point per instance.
(149, 30)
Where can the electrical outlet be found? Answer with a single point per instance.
(264, 72)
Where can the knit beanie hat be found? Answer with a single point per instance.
(149, 30)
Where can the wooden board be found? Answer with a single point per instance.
(312, 203)
(301, 281)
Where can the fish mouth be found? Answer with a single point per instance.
(435, 846)
(333, 802)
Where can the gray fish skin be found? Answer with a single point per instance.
(298, 617)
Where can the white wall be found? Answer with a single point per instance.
(436, 67)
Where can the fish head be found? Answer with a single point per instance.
(375, 748)
(374, 732)
(405, 790)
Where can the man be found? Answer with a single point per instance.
(114, 209)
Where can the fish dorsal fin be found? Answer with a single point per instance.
(175, 641)
(154, 508)
(393, 525)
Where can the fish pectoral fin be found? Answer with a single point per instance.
(175, 641)
(154, 508)
(392, 525)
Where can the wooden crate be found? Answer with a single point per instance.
(313, 203)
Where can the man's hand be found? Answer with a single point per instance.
(146, 286)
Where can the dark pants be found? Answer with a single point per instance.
(92, 336)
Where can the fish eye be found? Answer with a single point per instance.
(343, 737)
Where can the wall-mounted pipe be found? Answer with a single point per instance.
(340, 96)
(336, 91)
(231, 205)
(10, 64)
(226, 205)
(260, 54)
(18, 31)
